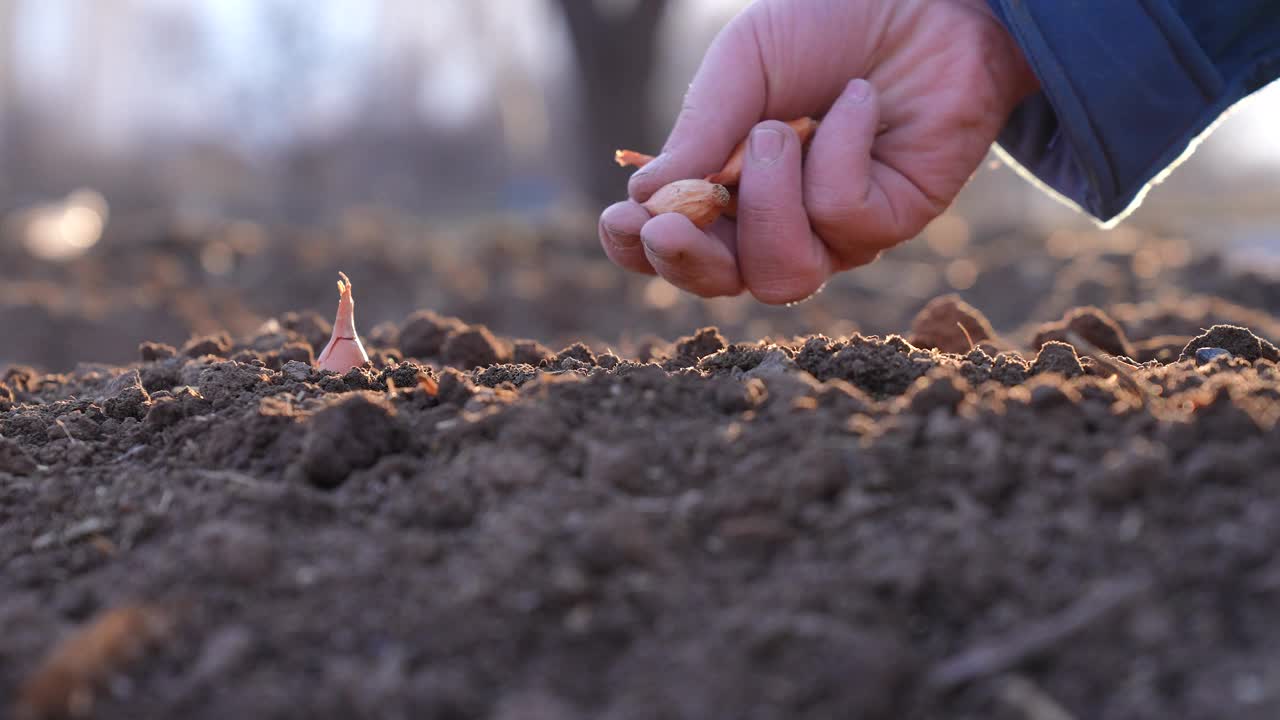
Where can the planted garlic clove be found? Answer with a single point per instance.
(700, 201)
(344, 350)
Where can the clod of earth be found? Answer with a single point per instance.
(1091, 324)
(1240, 342)
(65, 683)
(951, 325)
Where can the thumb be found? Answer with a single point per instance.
(724, 102)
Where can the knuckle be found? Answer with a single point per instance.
(767, 218)
(830, 205)
(849, 252)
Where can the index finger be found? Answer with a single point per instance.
(725, 100)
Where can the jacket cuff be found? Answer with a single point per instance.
(1125, 91)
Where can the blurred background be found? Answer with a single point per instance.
(180, 167)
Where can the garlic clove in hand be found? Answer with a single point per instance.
(344, 350)
(700, 201)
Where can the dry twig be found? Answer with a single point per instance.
(1123, 374)
(1002, 654)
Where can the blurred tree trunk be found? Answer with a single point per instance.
(616, 48)
(8, 95)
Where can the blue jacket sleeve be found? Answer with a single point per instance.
(1128, 86)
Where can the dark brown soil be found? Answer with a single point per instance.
(817, 528)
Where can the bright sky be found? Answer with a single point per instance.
(1252, 132)
(344, 33)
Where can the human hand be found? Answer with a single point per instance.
(914, 93)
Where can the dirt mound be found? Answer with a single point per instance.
(1091, 325)
(951, 325)
(1237, 341)
(826, 527)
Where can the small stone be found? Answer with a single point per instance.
(296, 370)
(1209, 354)
(1238, 341)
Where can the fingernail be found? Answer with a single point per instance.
(622, 238)
(766, 145)
(858, 91)
(654, 249)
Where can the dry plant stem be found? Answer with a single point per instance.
(968, 338)
(731, 172)
(1020, 694)
(631, 158)
(344, 350)
(1003, 654)
(1124, 376)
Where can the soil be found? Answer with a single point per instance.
(477, 526)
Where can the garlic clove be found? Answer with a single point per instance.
(700, 201)
(344, 350)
